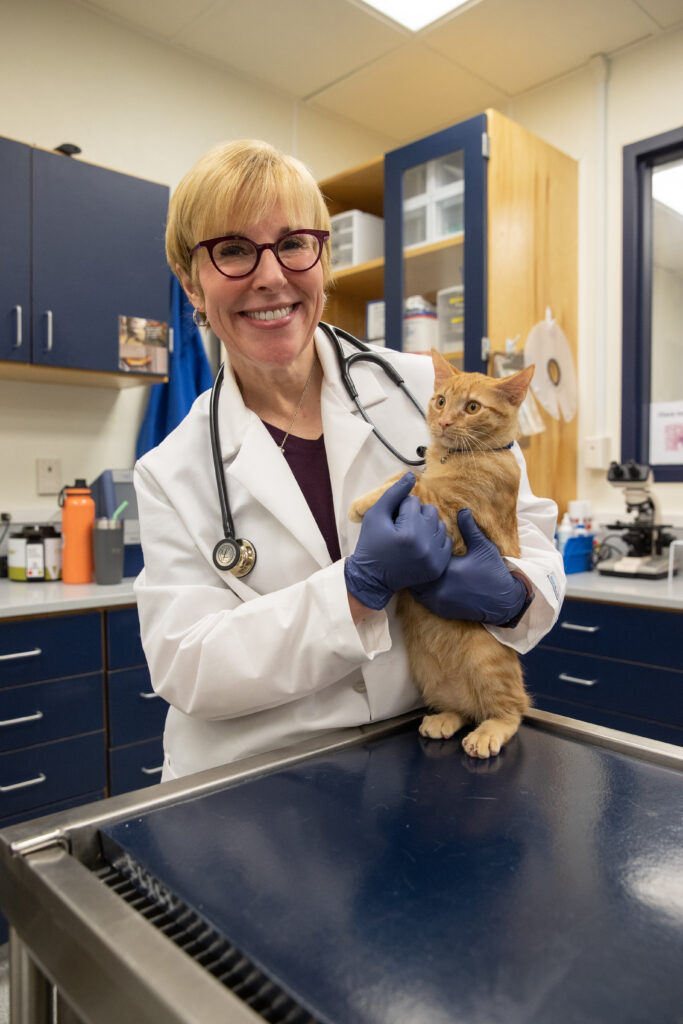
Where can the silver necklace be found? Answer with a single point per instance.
(296, 412)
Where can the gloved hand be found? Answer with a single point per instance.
(402, 543)
(477, 585)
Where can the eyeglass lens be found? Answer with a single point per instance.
(238, 256)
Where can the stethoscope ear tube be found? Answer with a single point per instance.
(231, 554)
(365, 354)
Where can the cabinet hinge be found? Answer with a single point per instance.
(485, 349)
(485, 145)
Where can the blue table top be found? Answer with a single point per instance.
(401, 882)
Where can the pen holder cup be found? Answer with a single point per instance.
(578, 554)
(108, 550)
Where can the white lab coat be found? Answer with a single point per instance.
(255, 664)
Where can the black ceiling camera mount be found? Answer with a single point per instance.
(68, 149)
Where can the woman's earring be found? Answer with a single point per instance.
(199, 318)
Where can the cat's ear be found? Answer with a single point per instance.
(515, 387)
(443, 370)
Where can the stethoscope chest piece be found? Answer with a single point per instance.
(234, 555)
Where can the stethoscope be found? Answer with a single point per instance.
(237, 555)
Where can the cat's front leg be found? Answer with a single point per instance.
(361, 505)
(441, 726)
(490, 736)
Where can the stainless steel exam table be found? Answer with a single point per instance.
(377, 879)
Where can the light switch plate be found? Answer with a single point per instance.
(49, 476)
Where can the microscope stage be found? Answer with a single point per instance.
(648, 567)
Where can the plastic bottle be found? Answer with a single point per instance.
(564, 531)
(78, 518)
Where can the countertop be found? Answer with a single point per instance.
(591, 586)
(46, 598)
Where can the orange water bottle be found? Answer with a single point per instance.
(78, 518)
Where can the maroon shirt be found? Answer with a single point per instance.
(308, 462)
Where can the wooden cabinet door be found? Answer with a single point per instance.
(15, 251)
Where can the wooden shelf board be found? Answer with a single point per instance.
(32, 374)
(361, 188)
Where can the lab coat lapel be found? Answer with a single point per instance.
(254, 462)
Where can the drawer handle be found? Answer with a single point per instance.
(19, 334)
(152, 771)
(579, 629)
(148, 696)
(21, 654)
(576, 679)
(20, 721)
(48, 331)
(24, 785)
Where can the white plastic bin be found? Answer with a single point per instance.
(357, 237)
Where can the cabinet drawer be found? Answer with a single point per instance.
(41, 712)
(135, 710)
(124, 648)
(54, 771)
(616, 631)
(48, 648)
(135, 766)
(619, 686)
(611, 720)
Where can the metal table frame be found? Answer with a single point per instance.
(79, 953)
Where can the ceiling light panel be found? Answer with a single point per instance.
(412, 15)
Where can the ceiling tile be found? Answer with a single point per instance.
(162, 18)
(517, 44)
(665, 12)
(407, 93)
(297, 47)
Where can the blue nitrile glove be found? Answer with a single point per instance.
(477, 585)
(402, 543)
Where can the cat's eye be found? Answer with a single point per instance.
(439, 401)
(472, 406)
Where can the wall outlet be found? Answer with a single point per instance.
(49, 476)
(597, 452)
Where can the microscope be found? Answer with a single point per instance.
(644, 536)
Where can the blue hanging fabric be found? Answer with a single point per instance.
(189, 374)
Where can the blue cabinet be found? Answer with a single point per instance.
(98, 253)
(135, 713)
(435, 201)
(615, 665)
(52, 741)
(15, 251)
(87, 245)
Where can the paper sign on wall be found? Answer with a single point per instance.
(666, 433)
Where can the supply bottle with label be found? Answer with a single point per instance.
(78, 518)
(564, 531)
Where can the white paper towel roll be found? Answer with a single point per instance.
(554, 381)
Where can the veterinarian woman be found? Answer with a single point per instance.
(308, 641)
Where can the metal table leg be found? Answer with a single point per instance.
(30, 992)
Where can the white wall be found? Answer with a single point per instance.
(644, 97)
(71, 75)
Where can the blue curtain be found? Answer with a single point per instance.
(189, 374)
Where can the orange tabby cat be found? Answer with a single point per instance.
(463, 672)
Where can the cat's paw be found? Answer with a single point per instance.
(441, 726)
(486, 740)
(357, 511)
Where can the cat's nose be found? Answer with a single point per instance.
(444, 424)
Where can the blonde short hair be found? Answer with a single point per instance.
(236, 184)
